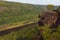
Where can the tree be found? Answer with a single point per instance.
(50, 7)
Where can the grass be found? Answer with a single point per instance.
(18, 24)
(28, 33)
(12, 13)
(31, 33)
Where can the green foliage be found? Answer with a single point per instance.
(31, 33)
(50, 7)
(11, 12)
(28, 33)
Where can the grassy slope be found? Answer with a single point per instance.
(12, 13)
(28, 33)
(31, 33)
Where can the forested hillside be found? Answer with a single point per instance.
(11, 12)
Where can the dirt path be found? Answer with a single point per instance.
(18, 24)
(4, 32)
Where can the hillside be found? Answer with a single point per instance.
(18, 15)
(12, 13)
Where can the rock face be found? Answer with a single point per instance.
(50, 17)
